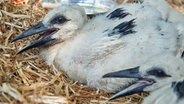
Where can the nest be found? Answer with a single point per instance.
(25, 78)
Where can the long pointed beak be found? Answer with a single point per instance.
(126, 73)
(137, 87)
(38, 28)
(35, 43)
(46, 31)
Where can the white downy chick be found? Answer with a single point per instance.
(156, 72)
(125, 37)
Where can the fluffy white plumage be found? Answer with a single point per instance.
(171, 15)
(156, 72)
(125, 37)
(92, 53)
(172, 93)
(167, 63)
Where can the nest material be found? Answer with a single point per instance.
(177, 2)
(25, 78)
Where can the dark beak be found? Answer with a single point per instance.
(38, 28)
(36, 43)
(137, 87)
(127, 73)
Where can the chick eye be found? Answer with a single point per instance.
(58, 20)
(158, 72)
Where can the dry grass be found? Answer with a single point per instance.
(25, 78)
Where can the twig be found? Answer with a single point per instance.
(15, 15)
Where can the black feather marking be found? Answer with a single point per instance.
(158, 28)
(178, 88)
(118, 13)
(123, 29)
(182, 54)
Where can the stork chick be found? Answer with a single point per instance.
(152, 75)
(86, 50)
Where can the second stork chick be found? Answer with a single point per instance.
(156, 72)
